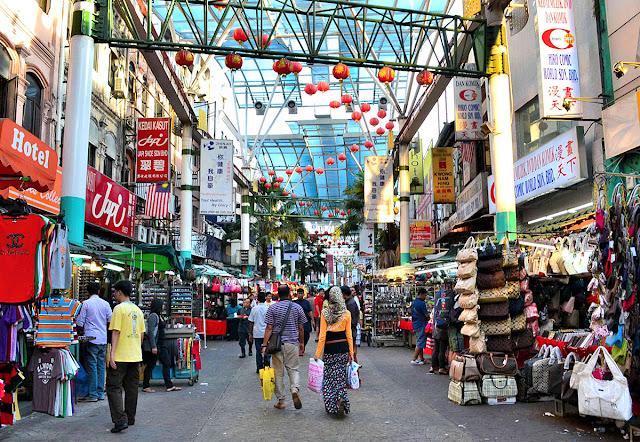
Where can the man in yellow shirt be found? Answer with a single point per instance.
(127, 324)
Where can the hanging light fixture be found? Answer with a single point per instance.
(309, 204)
(263, 180)
(184, 58)
(324, 209)
(342, 157)
(356, 116)
(424, 78)
(341, 73)
(319, 170)
(380, 131)
(330, 161)
(335, 104)
(289, 172)
(299, 169)
(271, 172)
(263, 41)
(309, 168)
(276, 185)
(296, 67)
(389, 125)
(293, 195)
(374, 121)
(267, 186)
(368, 144)
(285, 193)
(386, 75)
(282, 67)
(280, 179)
(382, 113)
(346, 99)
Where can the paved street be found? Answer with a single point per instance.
(397, 401)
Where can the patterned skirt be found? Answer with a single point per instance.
(334, 382)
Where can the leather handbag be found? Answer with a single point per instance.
(492, 295)
(468, 252)
(490, 280)
(489, 250)
(468, 301)
(499, 344)
(512, 273)
(469, 315)
(522, 340)
(493, 328)
(509, 256)
(466, 286)
(516, 306)
(478, 345)
(567, 393)
(471, 329)
(512, 289)
(466, 269)
(494, 310)
(555, 261)
(274, 344)
(519, 323)
(497, 363)
(463, 368)
(490, 265)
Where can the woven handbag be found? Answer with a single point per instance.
(477, 345)
(468, 301)
(466, 269)
(468, 252)
(494, 310)
(493, 328)
(519, 323)
(492, 295)
(500, 343)
(469, 315)
(490, 280)
(471, 329)
(466, 286)
(490, 265)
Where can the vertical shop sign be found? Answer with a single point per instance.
(467, 99)
(378, 189)
(442, 163)
(152, 150)
(420, 238)
(367, 232)
(109, 205)
(559, 71)
(330, 264)
(416, 169)
(216, 177)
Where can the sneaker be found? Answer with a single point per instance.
(420, 362)
(417, 362)
(88, 399)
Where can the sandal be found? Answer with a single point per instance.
(279, 406)
(148, 390)
(174, 389)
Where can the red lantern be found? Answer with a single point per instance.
(424, 78)
(271, 172)
(316, 213)
(349, 212)
(285, 193)
(341, 72)
(309, 204)
(356, 116)
(343, 213)
(301, 203)
(374, 121)
(263, 180)
(310, 89)
(382, 114)
(282, 67)
(299, 170)
(330, 216)
(324, 209)
(386, 75)
(280, 179)
(296, 67)
(342, 157)
(309, 168)
(323, 86)
(319, 170)
(330, 161)
(184, 58)
(263, 41)
(368, 144)
(380, 131)
(365, 107)
(347, 99)
(276, 185)
(233, 61)
(240, 36)
(389, 125)
(267, 186)
(354, 148)
(334, 104)
(293, 195)
(289, 172)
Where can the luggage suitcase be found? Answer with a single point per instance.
(464, 393)
(498, 386)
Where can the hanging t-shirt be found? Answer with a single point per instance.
(46, 366)
(60, 269)
(19, 238)
(129, 320)
(55, 322)
(8, 316)
(12, 378)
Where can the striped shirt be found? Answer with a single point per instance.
(275, 317)
(55, 322)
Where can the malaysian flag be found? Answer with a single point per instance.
(468, 151)
(158, 199)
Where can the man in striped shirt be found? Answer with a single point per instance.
(292, 346)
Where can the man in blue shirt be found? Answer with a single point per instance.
(419, 316)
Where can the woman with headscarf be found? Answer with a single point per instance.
(154, 347)
(336, 342)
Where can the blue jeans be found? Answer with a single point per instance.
(95, 369)
(260, 360)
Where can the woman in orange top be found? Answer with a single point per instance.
(336, 342)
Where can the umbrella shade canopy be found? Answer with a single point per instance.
(151, 258)
(210, 271)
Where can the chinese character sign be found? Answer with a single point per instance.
(420, 238)
(367, 232)
(109, 205)
(468, 102)
(216, 177)
(559, 71)
(416, 169)
(442, 163)
(378, 189)
(152, 150)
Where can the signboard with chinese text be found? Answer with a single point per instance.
(473, 198)
(109, 205)
(558, 163)
(442, 163)
(378, 189)
(367, 232)
(416, 168)
(559, 70)
(420, 238)
(216, 177)
(152, 150)
(467, 99)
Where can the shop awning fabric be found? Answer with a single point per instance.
(22, 155)
(151, 258)
(210, 271)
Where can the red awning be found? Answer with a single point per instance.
(24, 155)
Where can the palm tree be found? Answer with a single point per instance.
(313, 260)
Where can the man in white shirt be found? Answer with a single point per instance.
(257, 326)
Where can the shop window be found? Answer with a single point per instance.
(91, 160)
(5, 72)
(32, 115)
(108, 166)
(158, 108)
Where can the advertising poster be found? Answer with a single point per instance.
(442, 163)
(378, 189)
(467, 96)
(152, 150)
(367, 232)
(416, 169)
(109, 205)
(420, 238)
(216, 177)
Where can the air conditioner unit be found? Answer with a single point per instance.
(130, 122)
(141, 233)
(153, 236)
(163, 240)
(119, 85)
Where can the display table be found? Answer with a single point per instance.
(214, 327)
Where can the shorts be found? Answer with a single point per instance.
(421, 338)
(318, 325)
(456, 340)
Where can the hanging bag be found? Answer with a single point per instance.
(489, 250)
(471, 329)
(468, 301)
(509, 255)
(466, 269)
(490, 280)
(469, 315)
(568, 255)
(215, 287)
(501, 343)
(477, 345)
(493, 328)
(468, 252)
(494, 311)
(466, 286)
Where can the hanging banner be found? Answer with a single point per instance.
(467, 98)
(473, 198)
(109, 205)
(442, 163)
(559, 71)
(416, 168)
(367, 232)
(378, 189)
(216, 177)
(329, 264)
(152, 150)
(420, 238)
(559, 163)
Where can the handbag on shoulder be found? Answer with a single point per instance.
(274, 344)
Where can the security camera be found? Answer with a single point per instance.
(620, 69)
(260, 109)
(382, 103)
(567, 103)
(486, 128)
(292, 107)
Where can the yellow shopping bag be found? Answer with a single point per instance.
(268, 382)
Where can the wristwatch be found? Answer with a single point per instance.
(264, 346)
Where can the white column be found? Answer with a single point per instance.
(404, 193)
(186, 193)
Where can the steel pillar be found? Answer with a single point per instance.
(186, 193)
(404, 194)
(277, 260)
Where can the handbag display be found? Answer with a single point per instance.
(466, 286)
(499, 327)
(501, 343)
(464, 393)
(509, 256)
(466, 269)
(582, 255)
(512, 273)
(492, 295)
(471, 329)
(567, 393)
(494, 310)
(522, 340)
(490, 280)
(463, 368)
(531, 312)
(490, 265)
(477, 345)
(498, 386)
(497, 364)
(468, 301)
(274, 344)
(519, 322)
(610, 399)
(513, 289)
(540, 369)
(568, 255)
(516, 306)
(469, 315)
(489, 250)
(555, 260)
(468, 252)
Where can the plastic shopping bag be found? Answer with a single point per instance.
(268, 382)
(353, 381)
(358, 335)
(316, 368)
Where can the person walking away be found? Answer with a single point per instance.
(419, 317)
(232, 319)
(243, 328)
(443, 302)
(127, 325)
(308, 312)
(154, 348)
(337, 351)
(93, 320)
(318, 310)
(257, 327)
(291, 331)
(354, 309)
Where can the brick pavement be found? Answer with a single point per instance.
(397, 401)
